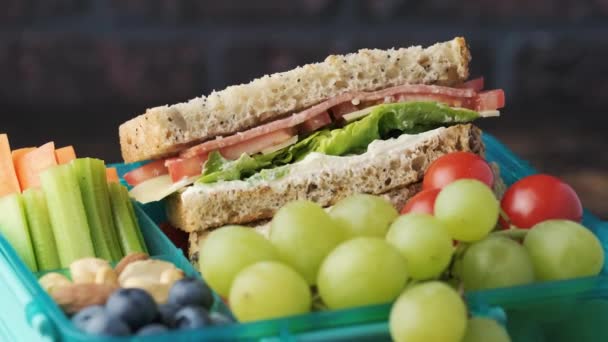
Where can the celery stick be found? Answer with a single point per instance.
(67, 213)
(140, 236)
(13, 225)
(91, 175)
(124, 220)
(43, 240)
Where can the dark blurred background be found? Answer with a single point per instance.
(73, 70)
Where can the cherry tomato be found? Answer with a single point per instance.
(423, 202)
(454, 166)
(539, 198)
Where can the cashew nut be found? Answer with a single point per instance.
(170, 276)
(84, 270)
(128, 259)
(52, 281)
(106, 275)
(158, 291)
(154, 276)
(149, 270)
(75, 297)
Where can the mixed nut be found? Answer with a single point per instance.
(140, 296)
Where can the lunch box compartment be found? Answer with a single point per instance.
(551, 311)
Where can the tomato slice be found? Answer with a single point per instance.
(490, 100)
(150, 170)
(257, 144)
(180, 168)
(475, 84)
(315, 123)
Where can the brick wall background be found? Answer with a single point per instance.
(73, 70)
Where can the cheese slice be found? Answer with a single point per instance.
(282, 145)
(489, 113)
(157, 188)
(358, 114)
(350, 117)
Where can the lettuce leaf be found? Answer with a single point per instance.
(383, 122)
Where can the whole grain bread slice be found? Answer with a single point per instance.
(165, 130)
(320, 178)
(397, 197)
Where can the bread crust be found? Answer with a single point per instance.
(201, 207)
(165, 130)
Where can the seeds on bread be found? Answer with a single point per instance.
(165, 130)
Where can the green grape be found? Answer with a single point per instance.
(424, 242)
(468, 208)
(304, 234)
(227, 251)
(269, 289)
(428, 312)
(485, 330)
(496, 262)
(361, 271)
(364, 215)
(562, 249)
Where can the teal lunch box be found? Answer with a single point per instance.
(573, 310)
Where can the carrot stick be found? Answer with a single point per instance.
(65, 154)
(21, 151)
(8, 178)
(112, 175)
(31, 164)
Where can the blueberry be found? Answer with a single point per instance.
(220, 319)
(152, 329)
(81, 319)
(191, 291)
(192, 317)
(167, 314)
(105, 324)
(134, 306)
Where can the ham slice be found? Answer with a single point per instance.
(476, 84)
(257, 144)
(270, 127)
(464, 97)
(315, 123)
(342, 109)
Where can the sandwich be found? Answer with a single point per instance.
(366, 122)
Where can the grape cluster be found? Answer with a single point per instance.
(361, 252)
